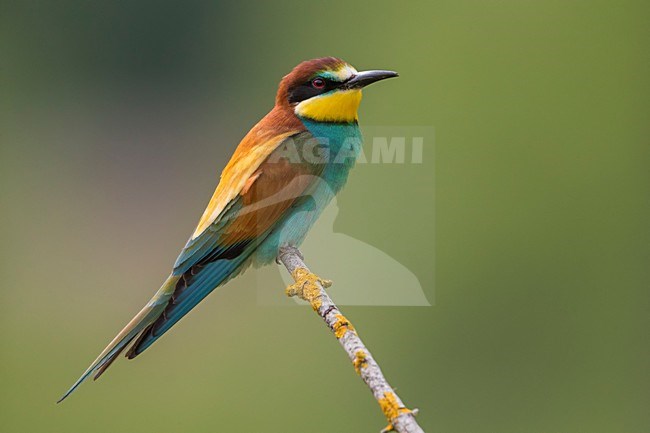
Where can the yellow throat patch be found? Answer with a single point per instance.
(338, 106)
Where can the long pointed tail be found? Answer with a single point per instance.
(190, 290)
(148, 315)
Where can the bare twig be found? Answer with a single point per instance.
(312, 289)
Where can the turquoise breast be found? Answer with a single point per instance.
(342, 142)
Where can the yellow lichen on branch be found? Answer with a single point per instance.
(359, 361)
(311, 288)
(391, 409)
(341, 326)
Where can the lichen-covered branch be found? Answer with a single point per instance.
(311, 288)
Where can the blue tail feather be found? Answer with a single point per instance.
(210, 277)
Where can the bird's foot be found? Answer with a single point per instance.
(307, 287)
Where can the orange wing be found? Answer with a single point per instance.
(254, 149)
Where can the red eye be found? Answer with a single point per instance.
(318, 83)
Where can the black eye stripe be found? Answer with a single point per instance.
(307, 90)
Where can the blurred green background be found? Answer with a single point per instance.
(116, 117)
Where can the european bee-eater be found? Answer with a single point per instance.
(281, 176)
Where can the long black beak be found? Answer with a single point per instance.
(362, 79)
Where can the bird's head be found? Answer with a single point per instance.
(326, 89)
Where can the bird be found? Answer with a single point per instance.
(281, 176)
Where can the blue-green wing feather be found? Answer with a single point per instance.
(206, 243)
(210, 277)
(203, 265)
